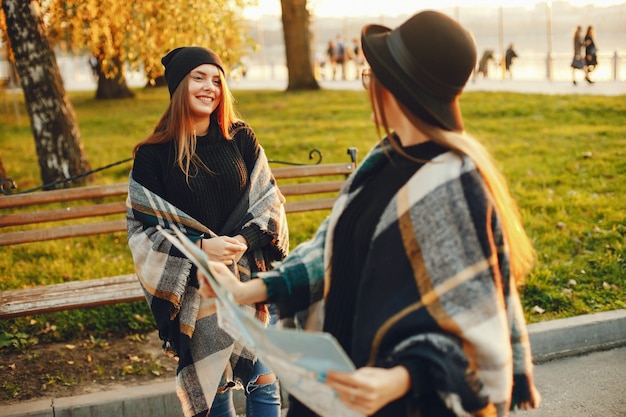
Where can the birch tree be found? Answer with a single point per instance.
(52, 118)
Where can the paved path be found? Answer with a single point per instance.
(592, 385)
(609, 88)
(605, 88)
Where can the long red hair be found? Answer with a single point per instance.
(521, 252)
(177, 124)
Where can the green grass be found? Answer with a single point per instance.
(563, 156)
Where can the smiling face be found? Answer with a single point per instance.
(205, 91)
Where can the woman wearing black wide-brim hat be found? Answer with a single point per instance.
(419, 261)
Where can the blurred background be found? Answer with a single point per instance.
(541, 33)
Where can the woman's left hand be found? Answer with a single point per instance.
(368, 389)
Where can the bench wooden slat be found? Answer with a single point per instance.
(311, 188)
(309, 205)
(111, 190)
(95, 228)
(69, 194)
(62, 232)
(67, 213)
(70, 295)
(313, 170)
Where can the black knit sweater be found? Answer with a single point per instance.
(354, 232)
(209, 197)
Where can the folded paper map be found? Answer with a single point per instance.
(298, 358)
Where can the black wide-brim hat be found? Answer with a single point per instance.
(425, 63)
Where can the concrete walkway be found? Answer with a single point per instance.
(580, 372)
(592, 385)
(605, 88)
(602, 88)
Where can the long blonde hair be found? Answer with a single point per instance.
(521, 252)
(177, 124)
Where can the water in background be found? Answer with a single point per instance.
(77, 75)
(493, 28)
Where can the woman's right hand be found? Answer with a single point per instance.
(223, 275)
(253, 291)
(225, 249)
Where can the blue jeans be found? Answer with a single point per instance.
(261, 400)
(274, 314)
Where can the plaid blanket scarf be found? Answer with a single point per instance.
(446, 302)
(208, 359)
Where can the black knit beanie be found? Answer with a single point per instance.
(180, 61)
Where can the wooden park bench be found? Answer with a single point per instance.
(312, 187)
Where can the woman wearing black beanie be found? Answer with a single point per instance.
(203, 171)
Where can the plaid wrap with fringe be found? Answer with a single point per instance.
(435, 292)
(207, 357)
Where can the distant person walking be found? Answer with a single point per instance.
(577, 61)
(591, 60)
(94, 65)
(340, 56)
(483, 64)
(359, 58)
(508, 60)
(332, 63)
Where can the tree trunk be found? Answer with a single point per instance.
(113, 85)
(158, 82)
(53, 122)
(3, 175)
(297, 36)
(7, 185)
(13, 77)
